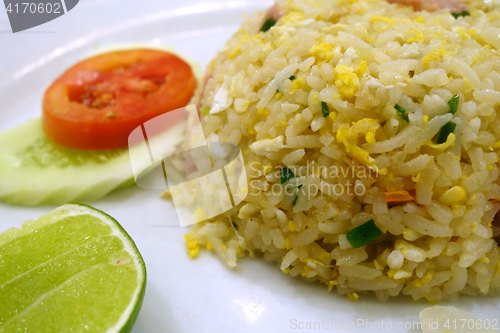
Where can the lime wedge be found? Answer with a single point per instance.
(72, 270)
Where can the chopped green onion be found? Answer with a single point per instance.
(453, 103)
(363, 234)
(297, 196)
(463, 13)
(286, 175)
(402, 112)
(292, 77)
(325, 110)
(267, 25)
(445, 131)
(206, 110)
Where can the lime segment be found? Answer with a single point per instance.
(74, 269)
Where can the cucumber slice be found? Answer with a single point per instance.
(34, 170)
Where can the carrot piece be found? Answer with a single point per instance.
(398, 196)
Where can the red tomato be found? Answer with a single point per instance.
(98, 102)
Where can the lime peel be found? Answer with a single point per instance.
(75, 216)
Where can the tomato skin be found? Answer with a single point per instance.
(131, 86)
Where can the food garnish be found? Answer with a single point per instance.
(268, 24)
(286, 175)
(98, 102)
(363, 234)
(294, 202)
(453, 103)
(89, 112)
(402, 112)
(463, 13)
(445, 131)
(324, 109)
(72, 270)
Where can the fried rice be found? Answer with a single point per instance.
(348, 102)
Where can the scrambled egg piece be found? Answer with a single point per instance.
(384, 19)
(322, 52)
(410, 251)
(291, 18)
(346, 80)
(416, 178)
(450, 141)
(419, 19)
(402, 274)
(263, 112)
(349, 137)
(484, 259)
(466, 33)
(435, 55)
(193, 247)
(427, 277)
(353, 296)
(200, 214)
(417, 38)
(267, 169)
(262, 147)
(237, 49)
(363, 65)
(298, 83)
(391, 21)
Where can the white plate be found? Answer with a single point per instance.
(182, 295)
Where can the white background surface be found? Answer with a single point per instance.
(182, 295)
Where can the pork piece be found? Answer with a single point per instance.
(433, 5)
(275, 12)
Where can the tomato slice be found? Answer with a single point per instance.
(98, 102)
